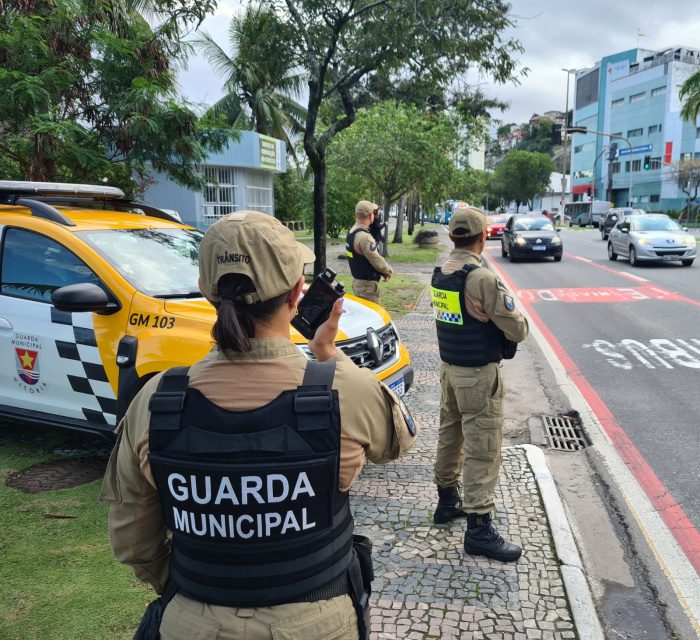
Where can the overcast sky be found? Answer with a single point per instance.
(556, 34)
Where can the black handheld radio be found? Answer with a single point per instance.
(316, 305)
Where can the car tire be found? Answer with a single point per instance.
(633, 257)
(511, 257)
(557, 258)
(687, 263)
(611, 253)
(603, 235)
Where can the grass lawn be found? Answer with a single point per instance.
(58, 578)
(398, 296)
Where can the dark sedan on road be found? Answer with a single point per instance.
(531, 237)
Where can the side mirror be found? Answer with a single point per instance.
(685, 228)
(85, 296)
(613, 217)
(625, 230)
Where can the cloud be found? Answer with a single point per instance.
(554, 33)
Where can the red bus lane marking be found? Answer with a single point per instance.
(597, 294)
(670, 511)
(629, 276)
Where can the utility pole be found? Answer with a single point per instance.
(566, 138)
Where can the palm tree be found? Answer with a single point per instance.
(262, 78)
(690, 95)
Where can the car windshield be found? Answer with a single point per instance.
(533, 224)
(498, 219)
(655, 224)
(163, 263)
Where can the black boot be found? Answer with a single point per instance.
(481, 539)
(449, 506)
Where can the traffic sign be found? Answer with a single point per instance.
(645, 148)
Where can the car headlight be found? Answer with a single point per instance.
(521, 242)
(642, 241)
(689, 240)
(556, 240)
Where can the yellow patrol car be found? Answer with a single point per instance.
(99, 293)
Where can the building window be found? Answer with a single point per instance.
(659, 91)
(618, 133)
(654, 197)
(654, 128)
(697, 155)
(697, 132)
(655, 163)
(636, 165)
(258, 191)
(578, 148)
(617, 103)
(615, 167)
(219, 193)
(627, 166)
(686, 157)
(643, 198)
(634, 133)
(638, 96)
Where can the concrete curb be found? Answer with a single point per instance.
(575, 583)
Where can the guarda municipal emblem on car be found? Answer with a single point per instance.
(27, 352)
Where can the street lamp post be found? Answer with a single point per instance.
(566, 137)
(608, 135)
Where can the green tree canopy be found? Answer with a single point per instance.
(538, 137)
(339, 43)
(522, 175)
(262, 80)
(690, 95)
(87, 92)
(470, 185)
(396, 149)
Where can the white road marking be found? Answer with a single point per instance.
(631, 275)
(582, 259)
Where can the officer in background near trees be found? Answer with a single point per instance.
(477, 326)
(367, 265)
(376, 229)
(229, 482)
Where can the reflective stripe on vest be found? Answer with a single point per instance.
(360, 267)
(251, 497)
(463, 340)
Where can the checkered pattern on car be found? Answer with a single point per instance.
(445, 316)
(77, 347)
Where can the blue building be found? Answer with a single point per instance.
(240, 177)
(633, 94)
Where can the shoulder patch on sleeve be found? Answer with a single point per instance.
(372, 246)
(509, 302)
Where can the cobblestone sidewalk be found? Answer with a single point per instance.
(426, 587)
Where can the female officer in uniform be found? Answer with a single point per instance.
(231, 478)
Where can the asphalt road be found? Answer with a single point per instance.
(634, 334)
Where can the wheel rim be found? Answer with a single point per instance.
(611, 253)
(633, 256)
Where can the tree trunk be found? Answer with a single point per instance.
(388, 203)
(320, 170)
(398, 232)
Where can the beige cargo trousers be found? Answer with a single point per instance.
(471, 432)
(367, 289)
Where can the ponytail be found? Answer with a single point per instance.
(236, 320)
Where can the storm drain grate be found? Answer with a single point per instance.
(563, 433)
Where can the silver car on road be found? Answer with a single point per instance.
(651, 237)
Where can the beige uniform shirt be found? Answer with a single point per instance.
(486, 288)
(372, 427)
(365, 245)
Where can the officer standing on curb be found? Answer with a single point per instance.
(228, 486)
(477, 326)
(367, 265)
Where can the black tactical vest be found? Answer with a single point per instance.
(463, 340)
(251, 497)
(360, 267)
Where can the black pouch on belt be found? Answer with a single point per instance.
(361, 574)
(149, 627)
(510, 348)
